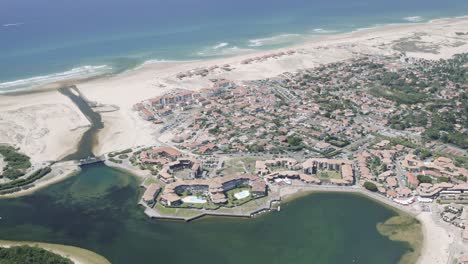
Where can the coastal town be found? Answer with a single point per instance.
(371, 125)
(387, 126)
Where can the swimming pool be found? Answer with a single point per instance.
(241, 195)
(193, 199)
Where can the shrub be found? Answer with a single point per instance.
(424, 179)
(123, 156)
(370, 186)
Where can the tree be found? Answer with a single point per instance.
(370, 186)
(443, 179)
(294, 141)
(30, 255)
(424, 179)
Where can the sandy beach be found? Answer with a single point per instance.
(47, 125)
(434, 40)
(44, 125)
(436, 241)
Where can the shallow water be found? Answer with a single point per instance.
(97, 210)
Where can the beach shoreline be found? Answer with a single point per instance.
(306, 38)
(75, 254)
(60, 172)
(60, 124)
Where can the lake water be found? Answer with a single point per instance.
(97, 210)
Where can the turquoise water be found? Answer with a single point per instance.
(194, 199)
(53, 39)
(241, 195)
(97, 210)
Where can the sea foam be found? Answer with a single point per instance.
(75, 73)
(323, 31)
(222, 49)
(413, 19)
(13, 24)
(220, 45)
(275, 40)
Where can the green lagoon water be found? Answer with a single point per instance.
(97, 210)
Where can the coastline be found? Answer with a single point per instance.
(62, 170)
(123, 128)
(395, 228)
(75, 254)
(56, 80)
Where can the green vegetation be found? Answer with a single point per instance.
(23, 182)
(423, 153)
(328, 174)
(172, 211)
(13, 173)
(32, 255)
(377, 166)
(113, 154)
(407, 229)
(294, 141)
(443, 129)
(400, 95)
(115, 160)
(461, 178)
(123, 156)
(214, 131)
(17, 163)
(424, 179)
(234, 166)
(336, 141)
(233, 201)
(79, 254)
(443, 179)
(370, 186)
(149, 181)
(401, 122)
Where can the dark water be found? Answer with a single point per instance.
(85, 147)
(96, 210)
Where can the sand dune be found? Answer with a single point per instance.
(46, 126)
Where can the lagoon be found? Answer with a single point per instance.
(97, 210)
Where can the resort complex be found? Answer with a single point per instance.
(236, 148)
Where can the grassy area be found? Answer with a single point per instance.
(233, 201)
(407, 229)
(328, 174)
(80, 255)
(149, 181)
(181, 212)
(236, 165)
(233, 166)
(400, 95)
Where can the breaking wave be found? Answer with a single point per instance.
(323, 31)
(275, 40)
(222, 49)
(413, 19)
(13, 24)
(79, 72)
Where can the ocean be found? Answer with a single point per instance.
(48, 40)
